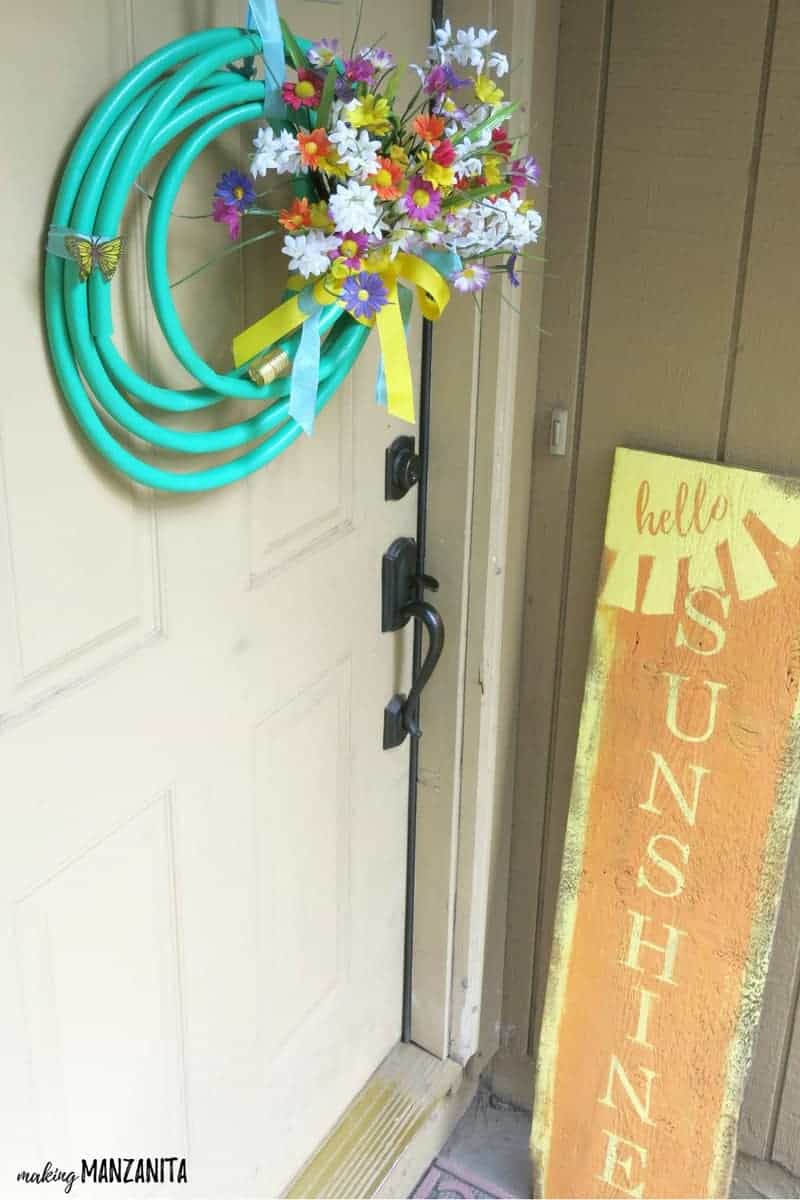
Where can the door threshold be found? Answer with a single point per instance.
(391, 1131)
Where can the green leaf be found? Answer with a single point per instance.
(460, 198)
(235, 249)
(299, 60)
(392, 83)
(496, 118)
(326, 99)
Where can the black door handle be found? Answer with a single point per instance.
(400, 587)
(401, 715)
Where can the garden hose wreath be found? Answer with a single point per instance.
(389, 206)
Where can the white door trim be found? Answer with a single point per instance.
(484, 402)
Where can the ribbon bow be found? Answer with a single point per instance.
(424, 273)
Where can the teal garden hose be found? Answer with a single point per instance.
(182, 86)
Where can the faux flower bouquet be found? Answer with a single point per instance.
(439, 181)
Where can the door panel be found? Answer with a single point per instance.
(669, 307)
(202, 844)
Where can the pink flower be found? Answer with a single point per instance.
(228, 214)
(352, 249)
(421, 201)
(306, 93)
(523, 171)
(444, 154)
(359, 70)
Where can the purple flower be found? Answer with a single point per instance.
(523, 171)
(323, 52)
(382, 60)
(364, 294)
(511, 272)
(236, 190)
(421, 201)
(352, 248)
(228, 214)
(359, 70)
(442, 79)
(344, 88)
(471, 278)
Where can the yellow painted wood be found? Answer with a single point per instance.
(683, 803)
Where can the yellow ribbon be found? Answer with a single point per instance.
(432, 292)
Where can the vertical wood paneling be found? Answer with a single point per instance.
(581, 57)
(681, 105)
(764, 430)
(689, 297)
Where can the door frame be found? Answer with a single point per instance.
(484, 383)
(481, 438)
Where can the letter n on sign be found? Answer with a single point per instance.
(683, 803)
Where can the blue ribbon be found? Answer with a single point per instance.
(305, 370)
(262, 15)
(446, 262)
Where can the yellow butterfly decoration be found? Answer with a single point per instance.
(90, 252)
(87, 250)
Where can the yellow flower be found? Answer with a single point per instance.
(441, 177)
(370, 112)
(487, 90)
(449, 105)
(397, 154)
(331, 164)
(491, 169)
(378, 260)
(340, 270)
(319, 216)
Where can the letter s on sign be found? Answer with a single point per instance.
(704, 621)
(669, 868)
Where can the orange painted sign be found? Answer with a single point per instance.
(684, 798)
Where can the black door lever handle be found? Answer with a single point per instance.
(401, 585)
(432, 620)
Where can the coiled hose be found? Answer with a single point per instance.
(181, 85)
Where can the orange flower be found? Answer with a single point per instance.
(430, 129)
(387, 179)
(314, 147)
(296, 217)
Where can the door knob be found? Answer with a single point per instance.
(401, 588)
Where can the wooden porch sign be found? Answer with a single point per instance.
(684, 798)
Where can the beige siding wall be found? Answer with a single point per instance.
(671, 309)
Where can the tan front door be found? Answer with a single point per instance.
(201, 840)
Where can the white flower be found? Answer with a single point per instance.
(466, 146)
(522, 227)
(469, 44)
(279, 153)
(443, 36)
(498, 63)
(266, 155)
(289, 160)
(358, 151)
(403, 239)
(308, 252)
(354, 207)
(464, 167)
